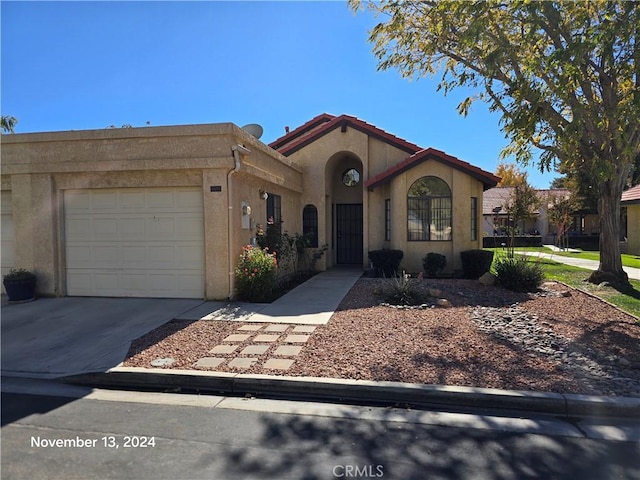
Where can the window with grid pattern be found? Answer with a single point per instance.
(429, 210)
(474, 218)
(387, 219)
(310, 224)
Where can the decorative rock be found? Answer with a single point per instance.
(487, 279)
(565, 293)
(519, 328)
(162, 362)
(444, 303)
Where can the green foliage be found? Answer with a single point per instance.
(433, 263)
(476, 263)
(518, 273)
(401, 291)
(256, 274)
(386, 262)
(562, 75)
(291, 249)
(19, 274)
(271, 237)
(8, 123)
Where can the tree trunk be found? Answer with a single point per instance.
(610, 268)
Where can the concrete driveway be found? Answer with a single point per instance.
(54, 337)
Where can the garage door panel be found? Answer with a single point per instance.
(163, 227)
(102, 200)
(135, 242)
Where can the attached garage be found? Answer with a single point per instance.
(134, 242)
(7, 249)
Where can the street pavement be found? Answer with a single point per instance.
(170, 436)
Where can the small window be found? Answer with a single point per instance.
(274, 210)
(387, 219)
(351, 177)
(310, 225)
(429, 210)
(474, 218)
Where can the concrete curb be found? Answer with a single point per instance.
(363, 391)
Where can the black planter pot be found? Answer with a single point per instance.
(20, 289)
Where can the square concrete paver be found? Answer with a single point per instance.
(296, 338)
(223, 349)
(250, 328)
(242, 362)
(276, 328)
(278, 363)
(236, 337)
(287, 350)
(254, 350)
(304, 329)
(266, 338)
(208, 362)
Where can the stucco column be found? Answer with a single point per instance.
(35, 215)
(216, 244)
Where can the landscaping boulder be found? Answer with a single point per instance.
(488, 279)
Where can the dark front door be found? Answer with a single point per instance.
(349, 233)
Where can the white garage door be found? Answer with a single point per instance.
(135, 242)
(7, 234)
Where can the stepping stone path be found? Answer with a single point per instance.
(259, 344)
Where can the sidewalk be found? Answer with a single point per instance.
(634, 273)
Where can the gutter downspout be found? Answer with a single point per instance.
(237, 151)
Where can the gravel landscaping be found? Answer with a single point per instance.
(557, 340)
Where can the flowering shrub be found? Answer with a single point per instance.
(256, 274)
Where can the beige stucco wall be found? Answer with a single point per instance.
(463, 187)
(38, 168)
(633, 229)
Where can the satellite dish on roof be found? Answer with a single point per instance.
(253, 129)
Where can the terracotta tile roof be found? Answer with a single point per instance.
(488, 179)
(499, 196)
(301, 130)
(325, 123)
(631, 196)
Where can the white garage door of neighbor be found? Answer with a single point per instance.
(135, 242)
(7, 248)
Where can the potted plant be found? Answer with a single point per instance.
(20, 285)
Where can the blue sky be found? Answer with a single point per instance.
(90, 65)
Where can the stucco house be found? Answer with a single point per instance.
(495, 219)
(631, 200)
(165, 211)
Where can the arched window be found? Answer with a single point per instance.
(310, 224)
(429, 210)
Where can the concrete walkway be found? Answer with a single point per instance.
(634, 273)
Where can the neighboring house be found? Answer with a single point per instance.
(495, 219)
(631, 200)
(165, 211)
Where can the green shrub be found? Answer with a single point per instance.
(256, 274)
(518, 274)
(401, 291)
(476, 263)
(386, 262)
(433, 263)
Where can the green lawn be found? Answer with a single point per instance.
(627, 260)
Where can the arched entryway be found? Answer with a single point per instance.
(344, 175)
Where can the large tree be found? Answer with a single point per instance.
(564, 77)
